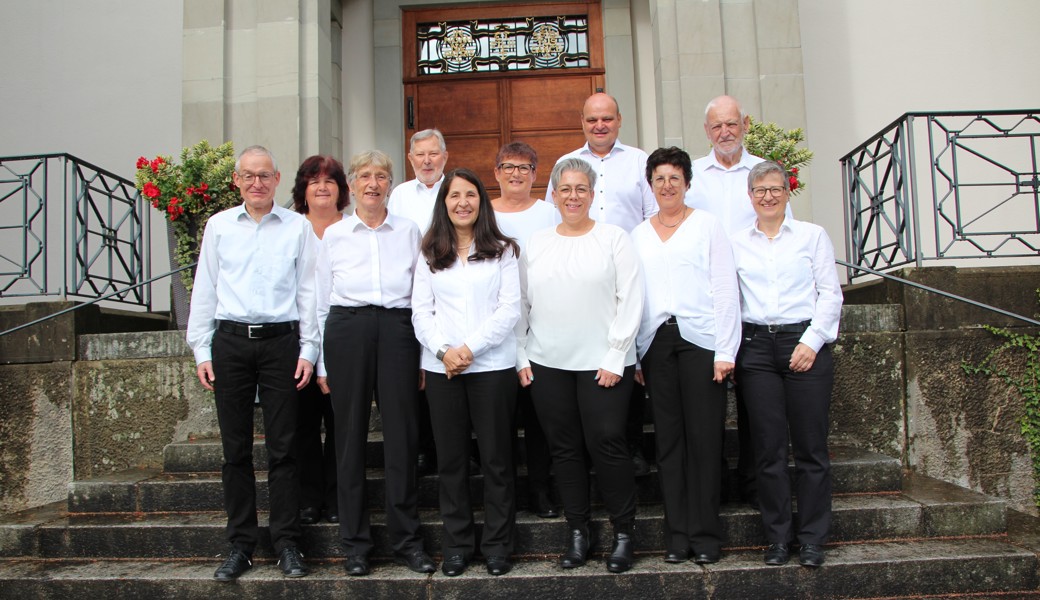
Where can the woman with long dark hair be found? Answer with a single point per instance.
(465, 302)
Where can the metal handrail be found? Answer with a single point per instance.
(939, 292)
(983, 177)
(104, 226)
(95, 300)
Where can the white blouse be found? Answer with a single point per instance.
(582, 299)
(471, 303)
(691, 277)
(789, 279)
(521, 225)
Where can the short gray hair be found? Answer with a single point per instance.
(715, 102)
(427, 134)
(765, 169)
(375, 158)
(572, 164)
(255, 150)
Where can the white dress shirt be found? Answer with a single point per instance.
(790, 279)
(623, 196)
(521, 225)
(413, 200)
(691, 276)
(471, 303)
(254, 273)
(581, 300)
(359, 265)
(723, 192)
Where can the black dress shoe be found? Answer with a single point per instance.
(542, 505)
(418, 561)
(577, 551)
(309, 515)
(236, 563)
(706, 558)
(291, 562)
(356, 565)
(456, 564)
(622, 556)
(811, 555)
(498, 565)
(676, 556)
(331, 516)
(777, 554)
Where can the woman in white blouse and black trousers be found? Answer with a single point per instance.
(465, 304)
(687, 346)
(583, 298)
(790, 306)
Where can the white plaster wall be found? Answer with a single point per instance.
(100, 79)
(868, 62)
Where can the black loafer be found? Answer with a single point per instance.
(622, 556)
(676, 556)
(577, 551)
(236, 563)
(417, 561)
(811, 555)
(309, 515)
(706, 558)
(777, 554)
(455, 565)
(498, 565)
(357, 565)
(291, 562)
(542, 505)
(331, 516)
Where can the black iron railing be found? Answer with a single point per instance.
(983, 177)
(71, 229)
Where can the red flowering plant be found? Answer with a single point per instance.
(772, 142)
(189, 193)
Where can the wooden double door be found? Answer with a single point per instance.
(478, 112)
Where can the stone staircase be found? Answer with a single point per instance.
(158, 534)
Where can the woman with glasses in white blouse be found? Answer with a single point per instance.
(790, 307)
(466, 301)
(582, 300)
(687, 346)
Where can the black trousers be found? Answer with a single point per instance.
(244, 368)
(372, 349)
(536, 447)
(779, 402)
(579, 415)
(483, 403)
(689, 416)
(316, 459)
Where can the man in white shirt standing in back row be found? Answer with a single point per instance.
(624, 198)
(719, 186)
(414, 199)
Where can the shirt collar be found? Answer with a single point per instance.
(713, 162)
(787, 225)
(617, 147)
(421, 187)
(277, 212)
(355, 223)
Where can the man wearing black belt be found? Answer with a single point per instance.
(253, 331)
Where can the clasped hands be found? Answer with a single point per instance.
(457, 360)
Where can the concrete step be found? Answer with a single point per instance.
(854, 471)
(928, 508)
(872, 570)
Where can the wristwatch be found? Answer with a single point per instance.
(443, 350)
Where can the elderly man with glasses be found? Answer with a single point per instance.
(253, 331)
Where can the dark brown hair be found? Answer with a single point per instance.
(316, 166)
(677, 157)
(439, 243)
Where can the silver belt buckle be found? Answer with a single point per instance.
(773, 328)
(250, 331)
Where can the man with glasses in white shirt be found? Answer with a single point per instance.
(253, 330)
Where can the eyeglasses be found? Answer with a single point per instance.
(248, 178)
(672, 180)
(378, 177)
(760, 192)
(508, 168)
(580, 190)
